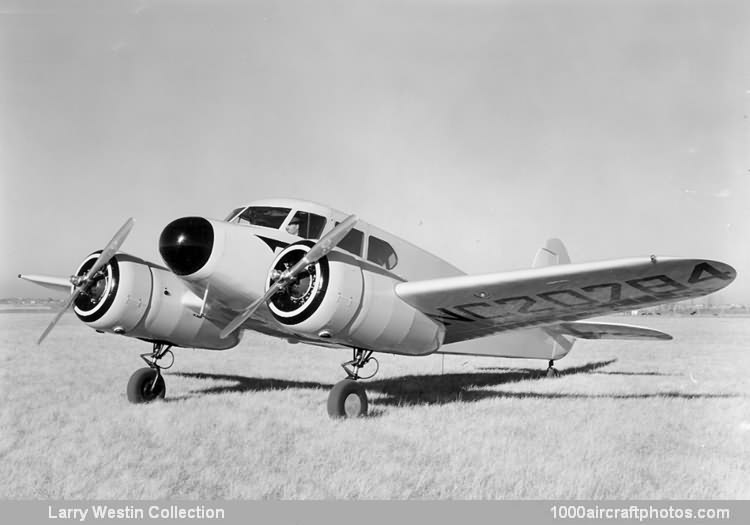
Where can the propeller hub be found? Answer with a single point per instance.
(97, 288)
(186, 244)
(302, 290)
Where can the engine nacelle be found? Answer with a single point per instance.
(135, 298)
(336, 299)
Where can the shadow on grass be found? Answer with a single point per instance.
(442, 389)
(445, 386)
(244, 384)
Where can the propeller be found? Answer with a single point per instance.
(321, 248)
(82, 283)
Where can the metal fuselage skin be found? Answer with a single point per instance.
(371, 291)
(359, 307)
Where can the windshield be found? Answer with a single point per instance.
(267, 216)
(233, 215)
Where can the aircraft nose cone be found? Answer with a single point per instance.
(186, 244)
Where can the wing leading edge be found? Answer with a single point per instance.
(475, 306)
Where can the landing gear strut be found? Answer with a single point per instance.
(348, 398)
(551, 370)
(147, 384)
(360, 358)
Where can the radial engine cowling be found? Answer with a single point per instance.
(324, 298)
(139, 299)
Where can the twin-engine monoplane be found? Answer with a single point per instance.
(308, 273)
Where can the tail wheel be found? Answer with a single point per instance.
(146, 385)
(347, 399)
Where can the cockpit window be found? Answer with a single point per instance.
(233, 215)
(306, 225)
(381, 253)
(267, 216)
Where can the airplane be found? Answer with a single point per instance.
(305, 272)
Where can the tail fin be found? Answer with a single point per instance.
(552, 253)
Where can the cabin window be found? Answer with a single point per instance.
(353, 241)
(266, 216)
(306, 225)
(381, 253)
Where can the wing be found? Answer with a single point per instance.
(474, 306)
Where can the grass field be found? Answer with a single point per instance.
(626, 420)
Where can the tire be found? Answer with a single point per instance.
(141, 388)
(347, 399)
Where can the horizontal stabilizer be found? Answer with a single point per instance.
(61, 284)
(586, 330)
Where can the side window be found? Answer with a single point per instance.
(267, 216)
(306, 225)
(353, 241)
(381, 253)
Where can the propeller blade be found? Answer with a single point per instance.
(59, 314)
(327, 243)
(61, 284)
(107, 253)
(111, 248)
(330, 240)
(249, 311)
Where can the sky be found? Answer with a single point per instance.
(474, 129)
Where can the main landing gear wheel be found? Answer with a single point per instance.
(347, 399)
(552, 371)
(147, 384)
